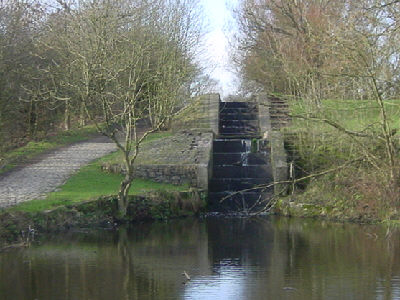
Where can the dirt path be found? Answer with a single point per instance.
(50, 171)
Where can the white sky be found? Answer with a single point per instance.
(220, 20)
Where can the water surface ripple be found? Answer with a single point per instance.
(226, 258)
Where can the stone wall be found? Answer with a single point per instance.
(194, 175)
(278, 161)
(276, 140)
(184, 158)
(202, 114)
(263, 115)
(174, 174)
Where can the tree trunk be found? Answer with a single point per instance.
(123, 195)
(67, 116)
(32, 119)
(82, 115)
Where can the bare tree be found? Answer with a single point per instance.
(19, 25)
(121, 62)
(328, 49)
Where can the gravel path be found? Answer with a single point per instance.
(52, 170)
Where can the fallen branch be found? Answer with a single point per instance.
(352, 134)
(333, 124)
(294, 181)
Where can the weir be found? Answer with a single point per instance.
(241, 160)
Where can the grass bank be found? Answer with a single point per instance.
(16, 225)
(358, 187)
(21, 155)
(88, 199)
(90, 182)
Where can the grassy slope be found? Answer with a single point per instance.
(90, 182)
(354, 115)
(356, 192)
(17, 156)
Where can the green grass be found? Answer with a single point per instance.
(91, 182)
(354, 115)
(360, 191)
(320, 145)
(14, 157)
(157, 135)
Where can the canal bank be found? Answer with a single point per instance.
(16, 226)
(175, 167)
(338, 162)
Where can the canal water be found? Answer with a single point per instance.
(226, 258)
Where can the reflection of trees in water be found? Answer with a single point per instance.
(154, 257)
(335, 260)
(240, 239)
(318, 259)
(144, 262)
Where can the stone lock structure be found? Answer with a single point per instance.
(232, 149)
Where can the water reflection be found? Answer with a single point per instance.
(273, 258)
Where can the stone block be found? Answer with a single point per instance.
(278, 161)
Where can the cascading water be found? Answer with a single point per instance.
(236, 168)
(245, 155)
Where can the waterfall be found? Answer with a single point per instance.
(238, 167)
(245, 154)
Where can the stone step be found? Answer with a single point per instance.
(229, 146)
(238, 105)
(278, 105)
(235, 184)
(279, 115)
(224, 159)
(275, 110)
(238, 116)
(238, 159)
(258, 171)
(238, 130)
(237, 123)
(237, 110)
(280, 120)
(235, 136)
(279, 125)
(276, 100)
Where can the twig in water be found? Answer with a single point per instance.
(186, 275)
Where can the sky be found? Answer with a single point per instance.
(220, 21)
